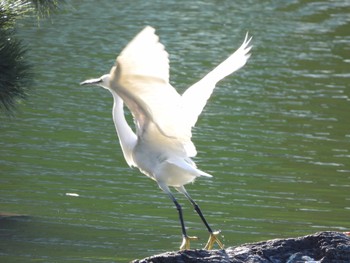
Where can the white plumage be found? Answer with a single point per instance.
(161, 145)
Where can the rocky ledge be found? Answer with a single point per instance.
(321, 247)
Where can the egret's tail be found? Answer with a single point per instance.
(188, 165)
(204, 173)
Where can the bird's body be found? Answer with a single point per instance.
(168, 165)
(161, 145)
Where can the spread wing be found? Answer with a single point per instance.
(141, 78)
(195, 97)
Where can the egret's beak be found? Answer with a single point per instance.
(92, 82)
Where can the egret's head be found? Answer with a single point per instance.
(101, 82)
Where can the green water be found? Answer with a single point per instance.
(276, 135)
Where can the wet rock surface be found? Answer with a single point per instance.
(321, 247)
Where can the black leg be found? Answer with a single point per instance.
(179, 209)
(198, 210)
(213, 235)
(185, 238)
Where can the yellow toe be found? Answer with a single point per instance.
(212, 240)
(186, 242)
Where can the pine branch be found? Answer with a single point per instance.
(15, 71)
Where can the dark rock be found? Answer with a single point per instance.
(322, 247)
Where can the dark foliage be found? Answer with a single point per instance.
(45, 7)
(15, 71)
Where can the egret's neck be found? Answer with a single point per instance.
(127, 137)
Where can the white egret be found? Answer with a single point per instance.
(161, 145)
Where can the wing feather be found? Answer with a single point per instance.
(195, 97)
(141, 78)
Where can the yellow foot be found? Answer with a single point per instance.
(186, 242)
(212, 240)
